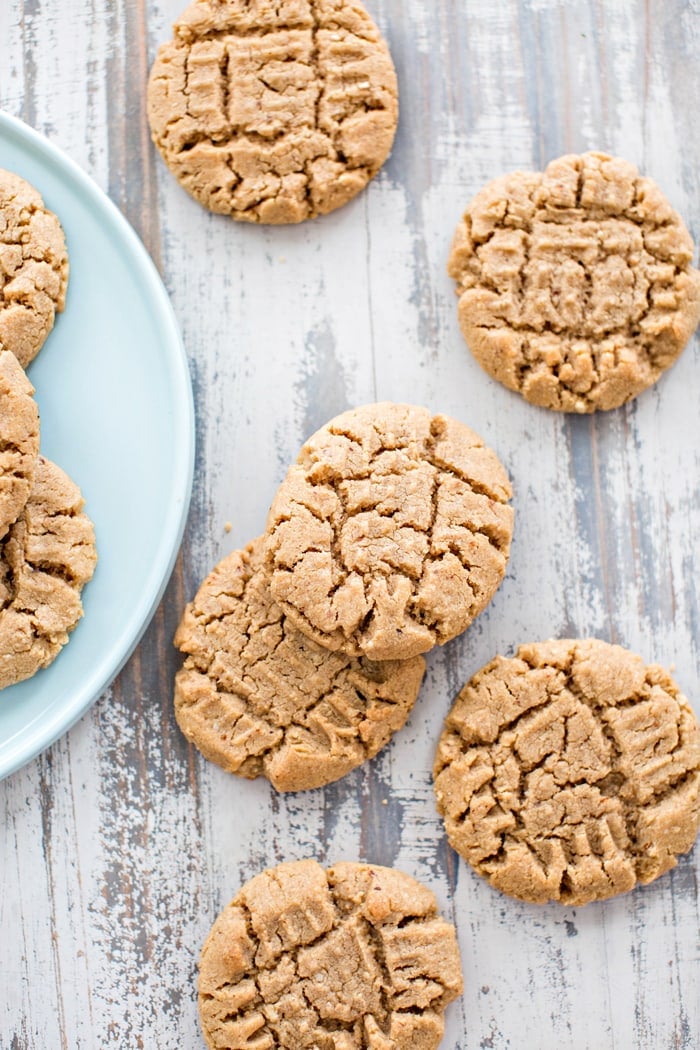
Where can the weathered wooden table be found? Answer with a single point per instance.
(120, 844)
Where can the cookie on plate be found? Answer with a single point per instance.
(260, 699)
(570, 772)
(33, 268)
(575, 284)
(390, 533)
(46, 558)
(19, 433)
(355, 956)
(273, 112)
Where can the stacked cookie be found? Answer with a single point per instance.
(388, 536)
(47, 543)
(258, 697)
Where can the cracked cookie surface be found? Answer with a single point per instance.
(260, 699)
(570, 772)
(33, 268)
(575, 284)
(351, 957)
(46, 558)
(19, 439)
(390, 533)
(273, 112)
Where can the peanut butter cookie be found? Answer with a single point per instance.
(570, 773)
(259, 698)
(391, 532)
(45, 559)
(19, 434)
(349, 958)
(575, 284)
(273, 112)
(33, 268)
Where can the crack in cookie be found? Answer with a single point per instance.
(46, 558)
(350, 958)
(575, 284)
(274, 113)
(33, 268)
(391, 533)
(570, 772)
(259, 698)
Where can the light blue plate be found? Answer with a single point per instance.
(115, 399)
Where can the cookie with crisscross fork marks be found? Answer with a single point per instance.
(273, 111)
(575, 284)
(570, 772)
(390, 533)
(46, 558)
(259, 698)
(33, 268)
(352, 958)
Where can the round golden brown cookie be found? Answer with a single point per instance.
(45, 559)
(273, 112)
(33, 268)
(391, 532)
(19, 435)
(349, 958)
(259, 698)
(575, 284)
(570, 772)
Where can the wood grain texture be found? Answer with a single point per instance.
(120, 844)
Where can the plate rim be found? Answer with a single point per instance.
(91, 689)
